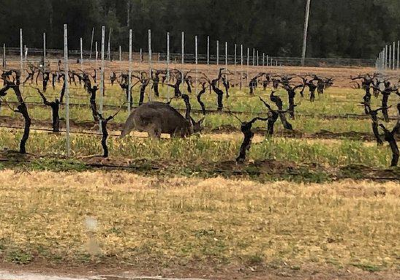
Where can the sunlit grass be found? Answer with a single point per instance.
(174, 221)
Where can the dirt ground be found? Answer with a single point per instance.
(39, 271)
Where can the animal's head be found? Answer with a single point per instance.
(196, 127)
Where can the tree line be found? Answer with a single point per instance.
(340, 28)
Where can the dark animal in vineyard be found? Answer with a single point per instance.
(248, 136)
(386, 93)
(55, 108)
(156, 118)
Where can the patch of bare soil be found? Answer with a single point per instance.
(256, 167)
(280, 169)
(366, 172)
(107, 271)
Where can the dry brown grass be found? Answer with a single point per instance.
(176, 221)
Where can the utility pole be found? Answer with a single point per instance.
(303, 56)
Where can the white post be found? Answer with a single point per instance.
(168, 62)
(81, 45)
(383, 59)
(390, 57)
(150, 66)
(386, 57)
(44, 52)
(257, 59)
(196, 60)
(248, 64)
(217, 52)
(235, 61)
(21, 53)
(130, 71)
(398, 54)
(66, 90)
(97, 57)
(208, 50)
(4, 56)
(267, 59)
(183, 48)
(241, 66)
(120, 53)
(394, 55)
(91, 44)
(96, 52)
(254, 57)
(103, 38)
(263, 60)
(304, 51)
(109, 45)
(226, 55)
(141, 55)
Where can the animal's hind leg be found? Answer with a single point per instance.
(154, 130)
